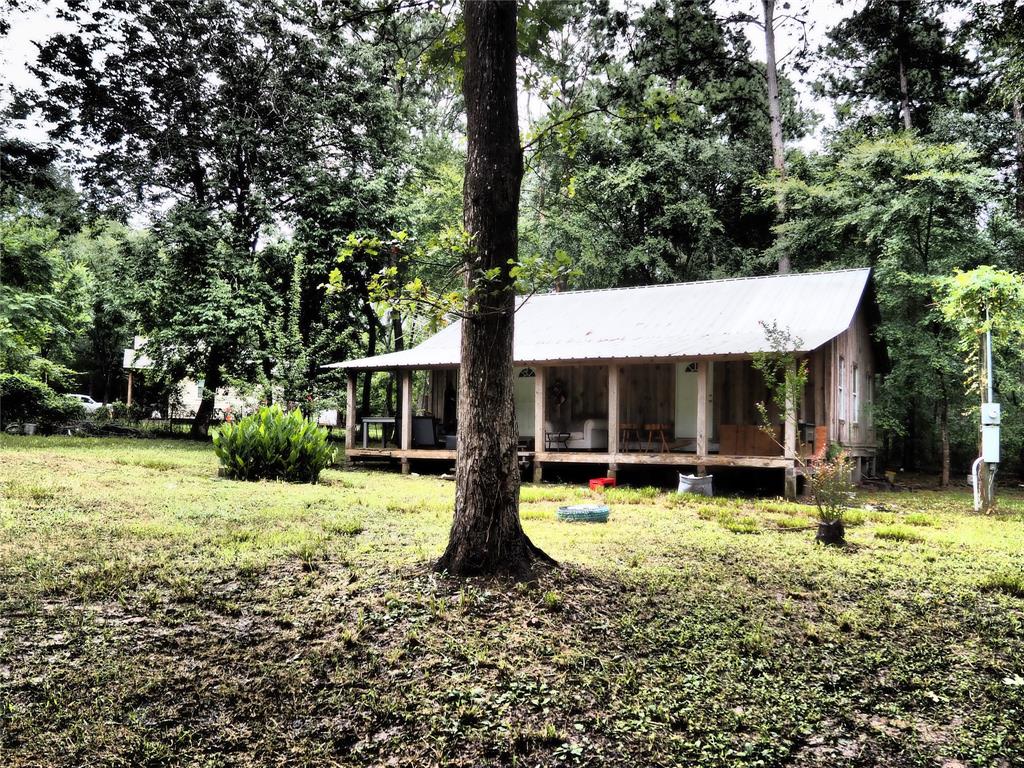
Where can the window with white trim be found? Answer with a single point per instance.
(869, 397)
(855, 394)
(842, 389)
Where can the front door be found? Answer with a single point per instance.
(524, 399)
(686, 399)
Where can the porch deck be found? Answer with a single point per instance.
(612, 460)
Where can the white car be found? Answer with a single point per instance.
(90, 405)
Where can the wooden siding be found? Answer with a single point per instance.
(855, 347)
(586, 390)
(648, 394)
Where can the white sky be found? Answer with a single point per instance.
(39, 22)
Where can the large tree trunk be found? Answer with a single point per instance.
(486, 536)
(944, 431)
(1018, 130)
(398, 339)
(901, 48)
(212, 380)
(371, 350)
(775, 112)
(904, 96)
(910, 439)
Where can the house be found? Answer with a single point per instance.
(663, 375)
(187, 394)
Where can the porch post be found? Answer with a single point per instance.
(613, 417)
(702, 414)
(406, 444)
(540, 391)
(350, 410)
(792, 399)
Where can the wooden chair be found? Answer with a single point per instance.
(627, 429)
(659, 430)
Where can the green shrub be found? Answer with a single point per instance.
(786, 522)
(553, 601)
(631, 495)
(919, 518)
(831, 487)
(273, 445)
(898, 533)
(23, 398)
(1007, 581)
(121, 411)
(62, 409)
(733, 524)
(854, 517)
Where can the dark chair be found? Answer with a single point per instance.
(424, 432)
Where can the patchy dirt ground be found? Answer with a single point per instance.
(151, 614)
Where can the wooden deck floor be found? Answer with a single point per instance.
(587, 457)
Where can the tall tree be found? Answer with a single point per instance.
(215, 119)
(896, 65)
(44, 302)
(486, 535)
(775, 111)
(999, 28)
(650, 148)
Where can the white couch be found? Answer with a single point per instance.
(592, 435)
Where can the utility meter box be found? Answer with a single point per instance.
(990, 414)
(990, 443)
(990, 433)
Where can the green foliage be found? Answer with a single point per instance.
(898, 533)
(121, 411)
(868, 49)
(218, 159)
(273, 445)
(1010, 582)
(831, 487)
(624, 495)
(43, 300)
(979, 301)
(23, 398)
(784, 372)
(656, 127)
(733, 524)
(61, 303)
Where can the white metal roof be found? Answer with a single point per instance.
(683, 320)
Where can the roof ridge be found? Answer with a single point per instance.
(694, 282)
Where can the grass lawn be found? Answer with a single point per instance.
(153, 614)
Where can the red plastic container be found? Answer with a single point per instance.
(600, 483)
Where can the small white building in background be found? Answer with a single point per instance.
(188, 392)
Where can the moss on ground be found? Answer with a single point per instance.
(153, 614)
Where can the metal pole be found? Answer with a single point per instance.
(990, 477)
(988, 353)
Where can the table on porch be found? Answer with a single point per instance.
(380, 420)
(555, 441)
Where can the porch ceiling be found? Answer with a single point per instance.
(660, 322)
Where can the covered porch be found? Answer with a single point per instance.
(696, 413)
